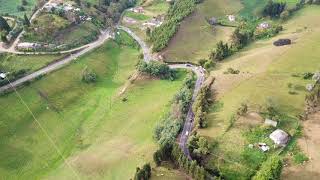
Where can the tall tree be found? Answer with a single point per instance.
(26, 20)
(4, 25)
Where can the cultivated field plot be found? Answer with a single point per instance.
(266, 73)
(100, 135)
(195, 37)
(10, 7)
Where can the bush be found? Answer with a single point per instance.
(232, 71)
(242, 110)
(89, 76)
(270, 169)
(300, 158)
(144, 173)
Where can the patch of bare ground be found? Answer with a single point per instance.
(310, 145)
(251, 119)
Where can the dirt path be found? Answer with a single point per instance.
(310, 145)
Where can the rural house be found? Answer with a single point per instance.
(279, 137)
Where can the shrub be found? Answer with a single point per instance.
(270, 169)
(232, 71)
(242, 110)
(300, 158)
(88, 76)
(144, 173)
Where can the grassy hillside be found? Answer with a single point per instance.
(195, 37)
(267, 72)
(96, 131)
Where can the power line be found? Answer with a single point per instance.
(44, 130)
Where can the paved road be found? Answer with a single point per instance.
(189, 121)
(199, 71)
(145, 49)
(103, 37)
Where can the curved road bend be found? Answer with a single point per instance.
(199, 71)
(103, 37)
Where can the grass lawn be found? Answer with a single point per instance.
(195, 37)
(10, 62)
(101, 136)
(10, 7)
(266, 72)
(136, 16)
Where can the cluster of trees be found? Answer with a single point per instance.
(184, 96)
(112, 9)
(245, 33)
(274, 9)
(314, 2)
(270, 169)
(161, 35)
(4, 26)
(202, 104)
(4, 29)
(167, 131)
(174, 154)
(143, 173)
(198, 147)
(221, 52)
(156, 69)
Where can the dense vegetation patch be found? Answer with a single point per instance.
(270, 169)
(156, 69)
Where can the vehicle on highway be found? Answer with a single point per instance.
(187, 133)
(188, 65)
